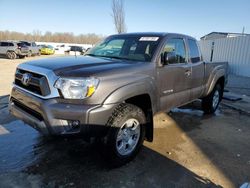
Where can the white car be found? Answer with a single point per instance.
(60, 49)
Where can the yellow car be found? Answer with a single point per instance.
(47, 50)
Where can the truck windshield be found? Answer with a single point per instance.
(134, 48)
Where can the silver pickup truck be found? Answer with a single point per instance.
(114, 90)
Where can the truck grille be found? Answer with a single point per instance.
(35, 83)
(30, 111)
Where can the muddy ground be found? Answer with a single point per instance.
(189, 150)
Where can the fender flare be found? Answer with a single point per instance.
(131, 90)
(214, 79)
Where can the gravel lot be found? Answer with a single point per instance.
(189, 150)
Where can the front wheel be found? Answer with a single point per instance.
(212, 101)
(126, 134)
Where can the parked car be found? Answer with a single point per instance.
(114, 90)
(75, 50)
(62, 48)
(46, 49)
(33, 48)
(12, 49)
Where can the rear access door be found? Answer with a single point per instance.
(198, 69)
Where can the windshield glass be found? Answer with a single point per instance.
(137, 48)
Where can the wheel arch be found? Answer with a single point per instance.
(220, 78)
(143, 101)
(140, 94)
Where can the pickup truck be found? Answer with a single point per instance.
(114, 90)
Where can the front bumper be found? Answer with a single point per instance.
(52, 117)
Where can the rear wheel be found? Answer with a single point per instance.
(126, 135)
(212, 101)
(11, 55)
(21, 56)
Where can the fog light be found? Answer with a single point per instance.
(74, 124)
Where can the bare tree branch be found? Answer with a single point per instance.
(118, 15)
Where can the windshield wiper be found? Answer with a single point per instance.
(113, 57)
(103, 56)
(91, 55)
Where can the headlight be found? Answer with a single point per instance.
(77, 88)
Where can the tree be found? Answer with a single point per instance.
(37, 36)
(118, 15)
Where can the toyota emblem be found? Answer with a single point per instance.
(26, 78)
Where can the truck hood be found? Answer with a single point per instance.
(84, 66)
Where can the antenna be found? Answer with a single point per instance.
(243, 30)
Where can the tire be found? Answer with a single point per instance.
(126, 134)
(11, 55)
(29, 54)
(212, 101)
(21, 56)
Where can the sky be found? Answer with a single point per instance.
(193, 17)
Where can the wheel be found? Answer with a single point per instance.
(126, 134)
(39, 53)
(29, 54)
(21, 56)
(212, 101)
(11, 55)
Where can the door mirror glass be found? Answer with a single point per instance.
(169, 58)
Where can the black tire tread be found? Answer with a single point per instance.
(207, 102)
(118, 115)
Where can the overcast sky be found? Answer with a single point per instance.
(192, 17)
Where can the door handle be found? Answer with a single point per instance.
(187, 72)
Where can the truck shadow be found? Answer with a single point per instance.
(66, 162)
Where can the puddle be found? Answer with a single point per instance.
(17, 146)
(22, 147)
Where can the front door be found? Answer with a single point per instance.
(174, 78)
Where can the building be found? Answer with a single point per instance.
(219, 35)
(233, 48)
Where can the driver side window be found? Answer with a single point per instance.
(176, 46)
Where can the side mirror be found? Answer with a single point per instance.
(169, 58)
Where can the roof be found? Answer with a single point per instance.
(153, 34)
(225, 33)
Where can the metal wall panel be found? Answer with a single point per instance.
(234, 50)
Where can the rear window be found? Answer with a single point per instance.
(21, 44)
(26, 43)
(194, 51)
